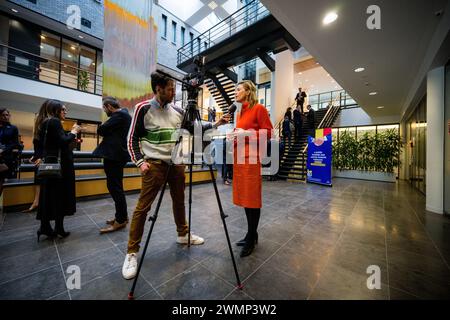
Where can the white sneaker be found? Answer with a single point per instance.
(129, 268)
(194, 239)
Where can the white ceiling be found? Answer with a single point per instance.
(393, 56)
(316, 80)
(201, 14)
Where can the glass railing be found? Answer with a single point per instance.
(238, 21)
(325, 99)
(31, 66)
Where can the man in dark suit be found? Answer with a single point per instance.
(300, 99)
(311, 118)
(297, 123)
(113, 149)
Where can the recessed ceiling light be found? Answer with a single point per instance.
(42, 37)
(330, 17)
(80, 36)
(93, 63)
(14, 10)
(72, 47)
(69, 55)
(359, 69)
(212, 5)
(373, 93)
(380, 107)
(300, 73)
(328, 75)
(41, 46)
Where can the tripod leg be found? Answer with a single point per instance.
(153, 220)
(223, 216)
(190, 199)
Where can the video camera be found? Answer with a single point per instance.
(193, 81)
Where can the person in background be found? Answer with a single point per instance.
(113, 150)
(300, 99)
(36, 159)
(311, 119)
(57, 197)
(10, 148)
(247, 180)
(297, 123)
(287, 131)
(288, 113)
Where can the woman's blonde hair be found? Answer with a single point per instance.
(250, 86)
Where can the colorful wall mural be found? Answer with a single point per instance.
(129, 52)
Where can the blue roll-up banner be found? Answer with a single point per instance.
(318, 163)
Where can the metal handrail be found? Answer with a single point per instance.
(252, 12)
(55, 75)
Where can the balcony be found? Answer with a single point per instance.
(27, 65)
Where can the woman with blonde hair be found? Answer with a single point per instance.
(252, 119)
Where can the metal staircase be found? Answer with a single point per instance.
(293, 159)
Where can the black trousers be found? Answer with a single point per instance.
(114, 182)
(298, 128)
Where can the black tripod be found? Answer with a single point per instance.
(190, 119)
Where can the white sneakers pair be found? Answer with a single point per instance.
(130, 265)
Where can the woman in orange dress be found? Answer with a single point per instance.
(247, 181)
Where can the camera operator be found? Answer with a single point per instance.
(150, 146)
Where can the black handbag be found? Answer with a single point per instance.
(49, 170)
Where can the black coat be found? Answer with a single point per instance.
(114, 132)
(57, 198)
(311, 117)
(10, 144)
(297, 117)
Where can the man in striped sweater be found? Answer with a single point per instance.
(151, 141)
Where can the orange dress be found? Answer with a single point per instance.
(247, 180)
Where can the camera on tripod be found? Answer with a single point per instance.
(193, 81)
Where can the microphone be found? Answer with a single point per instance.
(232, 109)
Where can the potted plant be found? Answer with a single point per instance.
(83, 80)
(371, 157)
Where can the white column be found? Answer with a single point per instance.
(435, 140)
(282, 85)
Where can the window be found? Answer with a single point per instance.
(174, 32)
(164, 27)
(191, 40)
(182, 32)
(50, 50)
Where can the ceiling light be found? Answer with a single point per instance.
(69, 55)
(41, 46)
(212, 5)
(306, 80)
(93, 63)
(14, 10)
(42, 37)
(80, 36)
(300, 73)
(373, 93)
(330, 17)
(359, 69)
(380, 107)
(72, 47)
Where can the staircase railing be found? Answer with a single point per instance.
(238, 21)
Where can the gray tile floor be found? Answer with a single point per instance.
(314, 243)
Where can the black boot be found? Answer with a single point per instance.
(59, 228)
(45, 229)
(242, 242)
(252, 238)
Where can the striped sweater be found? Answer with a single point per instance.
(151, 135)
